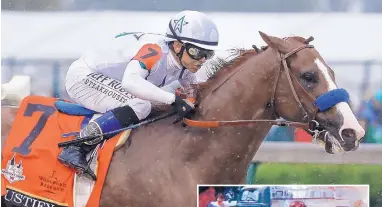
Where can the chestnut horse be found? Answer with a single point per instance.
(165, 162)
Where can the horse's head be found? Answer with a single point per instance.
(305, 90)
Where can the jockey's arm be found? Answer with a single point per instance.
(135, 83)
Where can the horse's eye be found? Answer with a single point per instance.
(310, 77)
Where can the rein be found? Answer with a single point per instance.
(283, 66)
(215, 124)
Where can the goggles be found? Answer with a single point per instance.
(198, 53)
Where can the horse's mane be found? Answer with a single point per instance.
(220, 67)
(218, 63)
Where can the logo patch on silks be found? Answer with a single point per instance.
(13, 172)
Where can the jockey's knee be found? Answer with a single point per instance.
(142, 108)
(125, 116)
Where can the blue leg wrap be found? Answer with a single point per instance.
(107, 122)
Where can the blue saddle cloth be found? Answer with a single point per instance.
(73, 108)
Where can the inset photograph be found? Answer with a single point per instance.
(283, 195)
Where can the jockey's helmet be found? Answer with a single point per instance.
(195, 28)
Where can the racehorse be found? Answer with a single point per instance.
(288, 79)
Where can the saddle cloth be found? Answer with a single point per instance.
(31, 174)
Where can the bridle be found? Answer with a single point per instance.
(287, 70)
(308, 122)
(312, 125)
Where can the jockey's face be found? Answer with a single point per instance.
(190, 63)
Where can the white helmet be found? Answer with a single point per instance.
(193, 27)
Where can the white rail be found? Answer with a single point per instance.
(294, 152)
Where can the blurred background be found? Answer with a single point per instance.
(41, 38)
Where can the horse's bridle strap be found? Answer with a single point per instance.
(215, 124)
(299, 86)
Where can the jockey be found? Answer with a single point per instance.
(122, 80)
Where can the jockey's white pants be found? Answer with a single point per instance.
(97, 92)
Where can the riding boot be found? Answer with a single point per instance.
(74, 156)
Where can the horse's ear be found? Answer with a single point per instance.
(303, 40)
(275, 42)
(307, 41)
(267, 39)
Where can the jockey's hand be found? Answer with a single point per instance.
(183, 107)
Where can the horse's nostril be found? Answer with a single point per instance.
(349, 137)
(348, 133)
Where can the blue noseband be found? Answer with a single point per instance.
(331, 98)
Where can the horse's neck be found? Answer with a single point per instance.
(243, 96)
